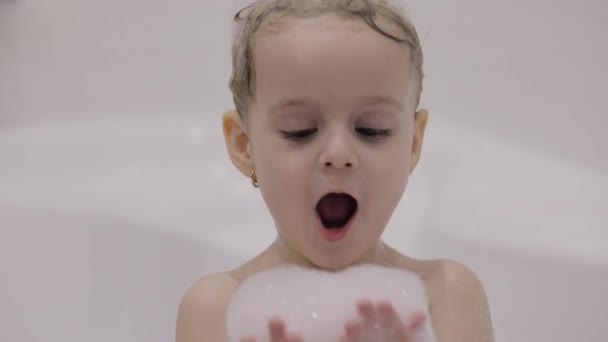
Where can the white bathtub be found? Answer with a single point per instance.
(103, 225)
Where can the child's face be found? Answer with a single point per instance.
(330, 114)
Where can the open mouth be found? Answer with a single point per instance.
(336, 209)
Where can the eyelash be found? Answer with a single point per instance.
(299, 135)
(368, 133)
(372, 133)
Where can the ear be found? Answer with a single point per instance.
(237, 142)
(420, 120)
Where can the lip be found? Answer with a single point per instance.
(336, 191)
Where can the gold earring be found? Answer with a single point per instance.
(254, 179)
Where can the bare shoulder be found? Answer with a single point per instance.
(202, 310)
(458, 303)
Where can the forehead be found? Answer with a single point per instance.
(328, 59)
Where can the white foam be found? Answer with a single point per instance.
(316, 304)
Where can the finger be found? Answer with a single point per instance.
(353, 328)
(366, 309)
(417, 320)
(294, 338)
(388, 316)
(391, 323)
(247, 339)
(404, 331)
(386, 309)
(277, 329)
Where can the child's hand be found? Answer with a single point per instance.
(380, 323)
(278, 333)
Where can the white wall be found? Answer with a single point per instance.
(73, 59)
(534, 71)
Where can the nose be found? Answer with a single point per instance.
(338, 154)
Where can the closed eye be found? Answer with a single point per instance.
(298, 135)
(373, 133)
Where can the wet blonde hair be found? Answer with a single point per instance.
(251, 18)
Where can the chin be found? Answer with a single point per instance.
(333, 262)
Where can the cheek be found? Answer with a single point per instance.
(394, 162)
(278, 163)
(391, 174)
(279, 167)
(284, 179)
(285, 191)
(396, 176)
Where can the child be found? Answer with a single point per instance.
(326, 125)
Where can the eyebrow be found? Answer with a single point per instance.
(290, 103)
(382, 100)
(364, 101)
